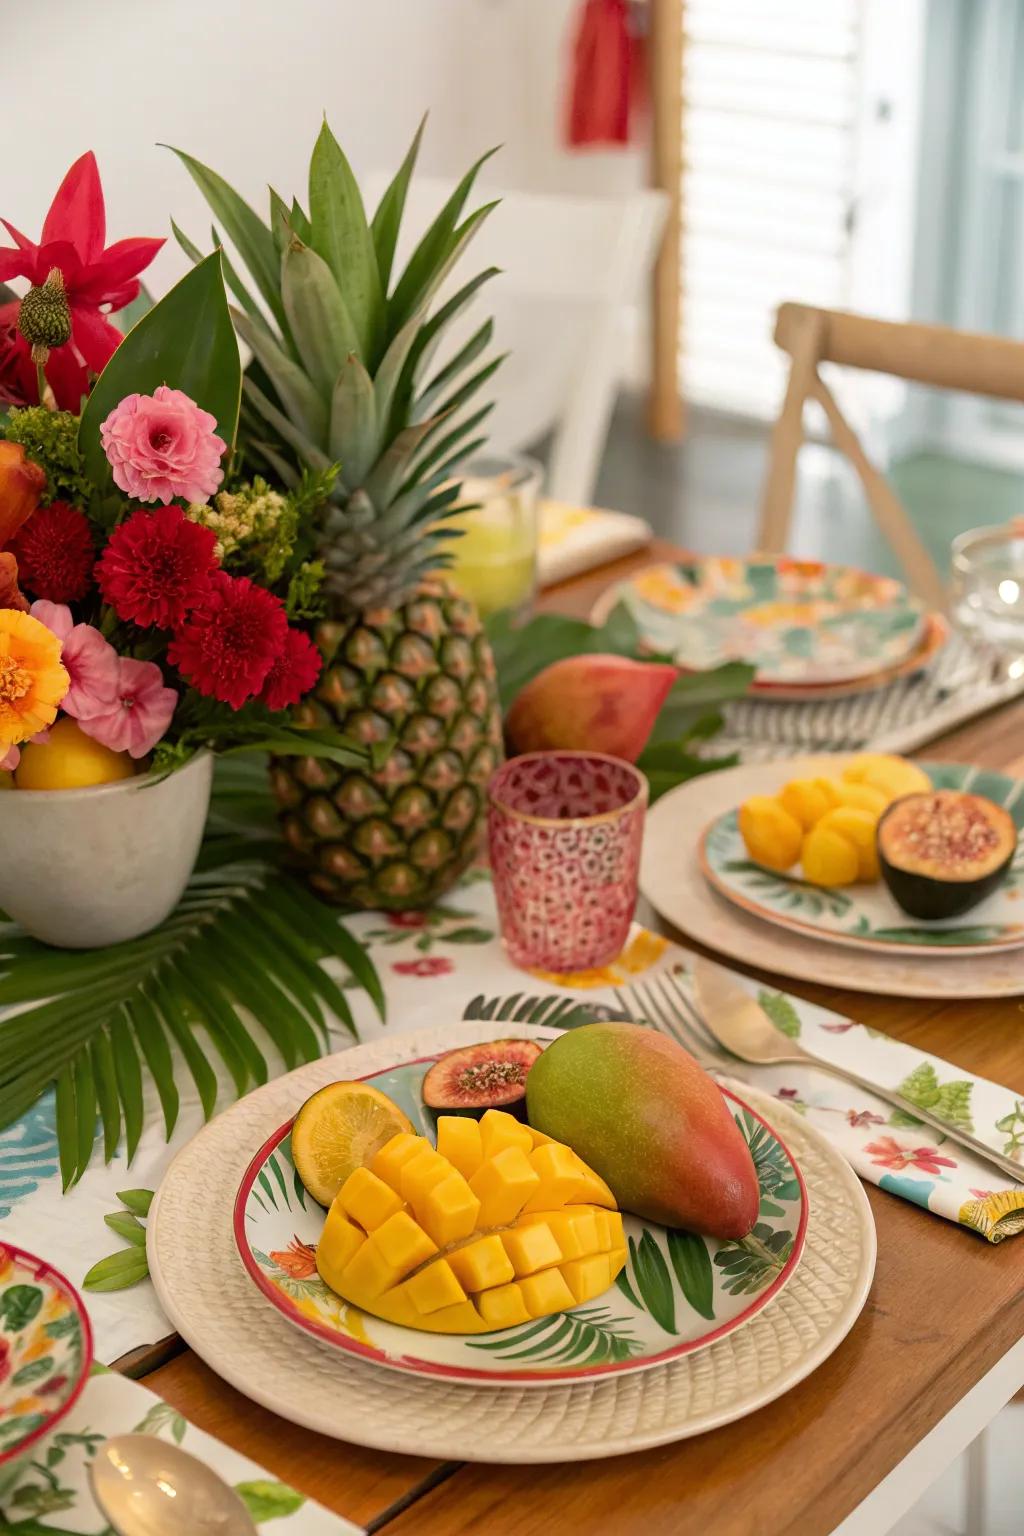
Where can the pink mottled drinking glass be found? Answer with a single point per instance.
(565, 830)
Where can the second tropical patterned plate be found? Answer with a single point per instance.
(677, 1293)
(866, 916)
(797, 621)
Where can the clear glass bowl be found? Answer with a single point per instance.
(987, 597)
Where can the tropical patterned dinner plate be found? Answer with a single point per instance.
(866, 916)
(677, 1293)
(799, 622)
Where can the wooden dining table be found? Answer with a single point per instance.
(937, 1351)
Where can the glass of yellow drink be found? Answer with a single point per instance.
(494, 557)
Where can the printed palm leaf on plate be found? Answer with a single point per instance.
(584, 1336)
(553, 1010)
(246, 942)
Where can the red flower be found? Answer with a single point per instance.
(156, 566)
(430, 965)
(860, 1117)
(407, 919)
(74, 233)
(228, 644)
(18, 384)
(890, 1154)
(293, 672)
(297, 1260)
(55, 554)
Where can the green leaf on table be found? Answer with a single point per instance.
(117, 1271)
(782, 1012)
(245, 944)
(669, 764)
(187, 342)
(138, 1201)
(127, 1226)
(269, 1501)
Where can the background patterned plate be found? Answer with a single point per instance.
(677, 1293)
(797, 621)
(866, 916)
(211, 1301)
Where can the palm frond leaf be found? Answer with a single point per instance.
(234, 973)
(557, 1012)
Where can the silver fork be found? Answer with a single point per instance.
(668, 1009)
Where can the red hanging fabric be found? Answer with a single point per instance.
(603, 74)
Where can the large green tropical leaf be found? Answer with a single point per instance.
(186, 341)
(245, 943)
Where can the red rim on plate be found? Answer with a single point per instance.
(289, 1310)
(42, 1271)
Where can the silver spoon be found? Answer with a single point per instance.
(146, 1487)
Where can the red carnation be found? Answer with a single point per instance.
(155, 567)
(228, 644)
(295, 669)
(55, 554)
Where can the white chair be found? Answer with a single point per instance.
(573, 271)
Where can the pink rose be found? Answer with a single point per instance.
(140, 712)
(91, 662)
(162, 445)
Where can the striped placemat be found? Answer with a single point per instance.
(898, 718)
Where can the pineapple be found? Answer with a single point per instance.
(340, 375)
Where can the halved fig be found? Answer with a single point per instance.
(476, 1078)
(943, 852)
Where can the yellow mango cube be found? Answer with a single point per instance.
(587, 1278)
(403, 1244)
(367, 1199)
(434, 1287)
(531, 1248)
(482, 1264)
(367, 1273)
(575, 1231)
(458, 1139)
(421, 1173)
(393, 1155)
(339, 1240)
(559, 1171)
(449, 1210)
(546, 1292)
(502, 1307)
(499, 1130)
(503, 1185)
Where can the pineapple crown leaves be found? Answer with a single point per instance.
(342, 346)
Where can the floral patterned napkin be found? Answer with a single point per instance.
(575, 539)
(52, 1494)
(886, 1146)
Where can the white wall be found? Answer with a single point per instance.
(241, 85)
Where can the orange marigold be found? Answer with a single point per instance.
(32, 679)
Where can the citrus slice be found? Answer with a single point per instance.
(340, 1129)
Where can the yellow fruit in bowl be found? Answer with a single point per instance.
(70, 760)
(893, 776)
(771, 834)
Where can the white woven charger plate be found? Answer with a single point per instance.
(672, 881)
(213, 1304)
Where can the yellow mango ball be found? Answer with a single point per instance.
(807, 800)
(862, 797)
(829, 858)
(70, 760)
(860, 828)
(770, 834)
(893, 776)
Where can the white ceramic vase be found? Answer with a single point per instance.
(82, 868)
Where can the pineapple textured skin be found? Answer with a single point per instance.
(416, 684)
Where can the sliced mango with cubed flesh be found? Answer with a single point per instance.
(497, 1226)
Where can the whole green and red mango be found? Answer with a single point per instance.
(593, 703)
(641, 1112)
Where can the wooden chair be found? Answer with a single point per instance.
(926, 354)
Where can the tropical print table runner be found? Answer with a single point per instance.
(448, 963)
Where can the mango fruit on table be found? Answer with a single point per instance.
(829, 825)
(651, 1122)
(496, 1227)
